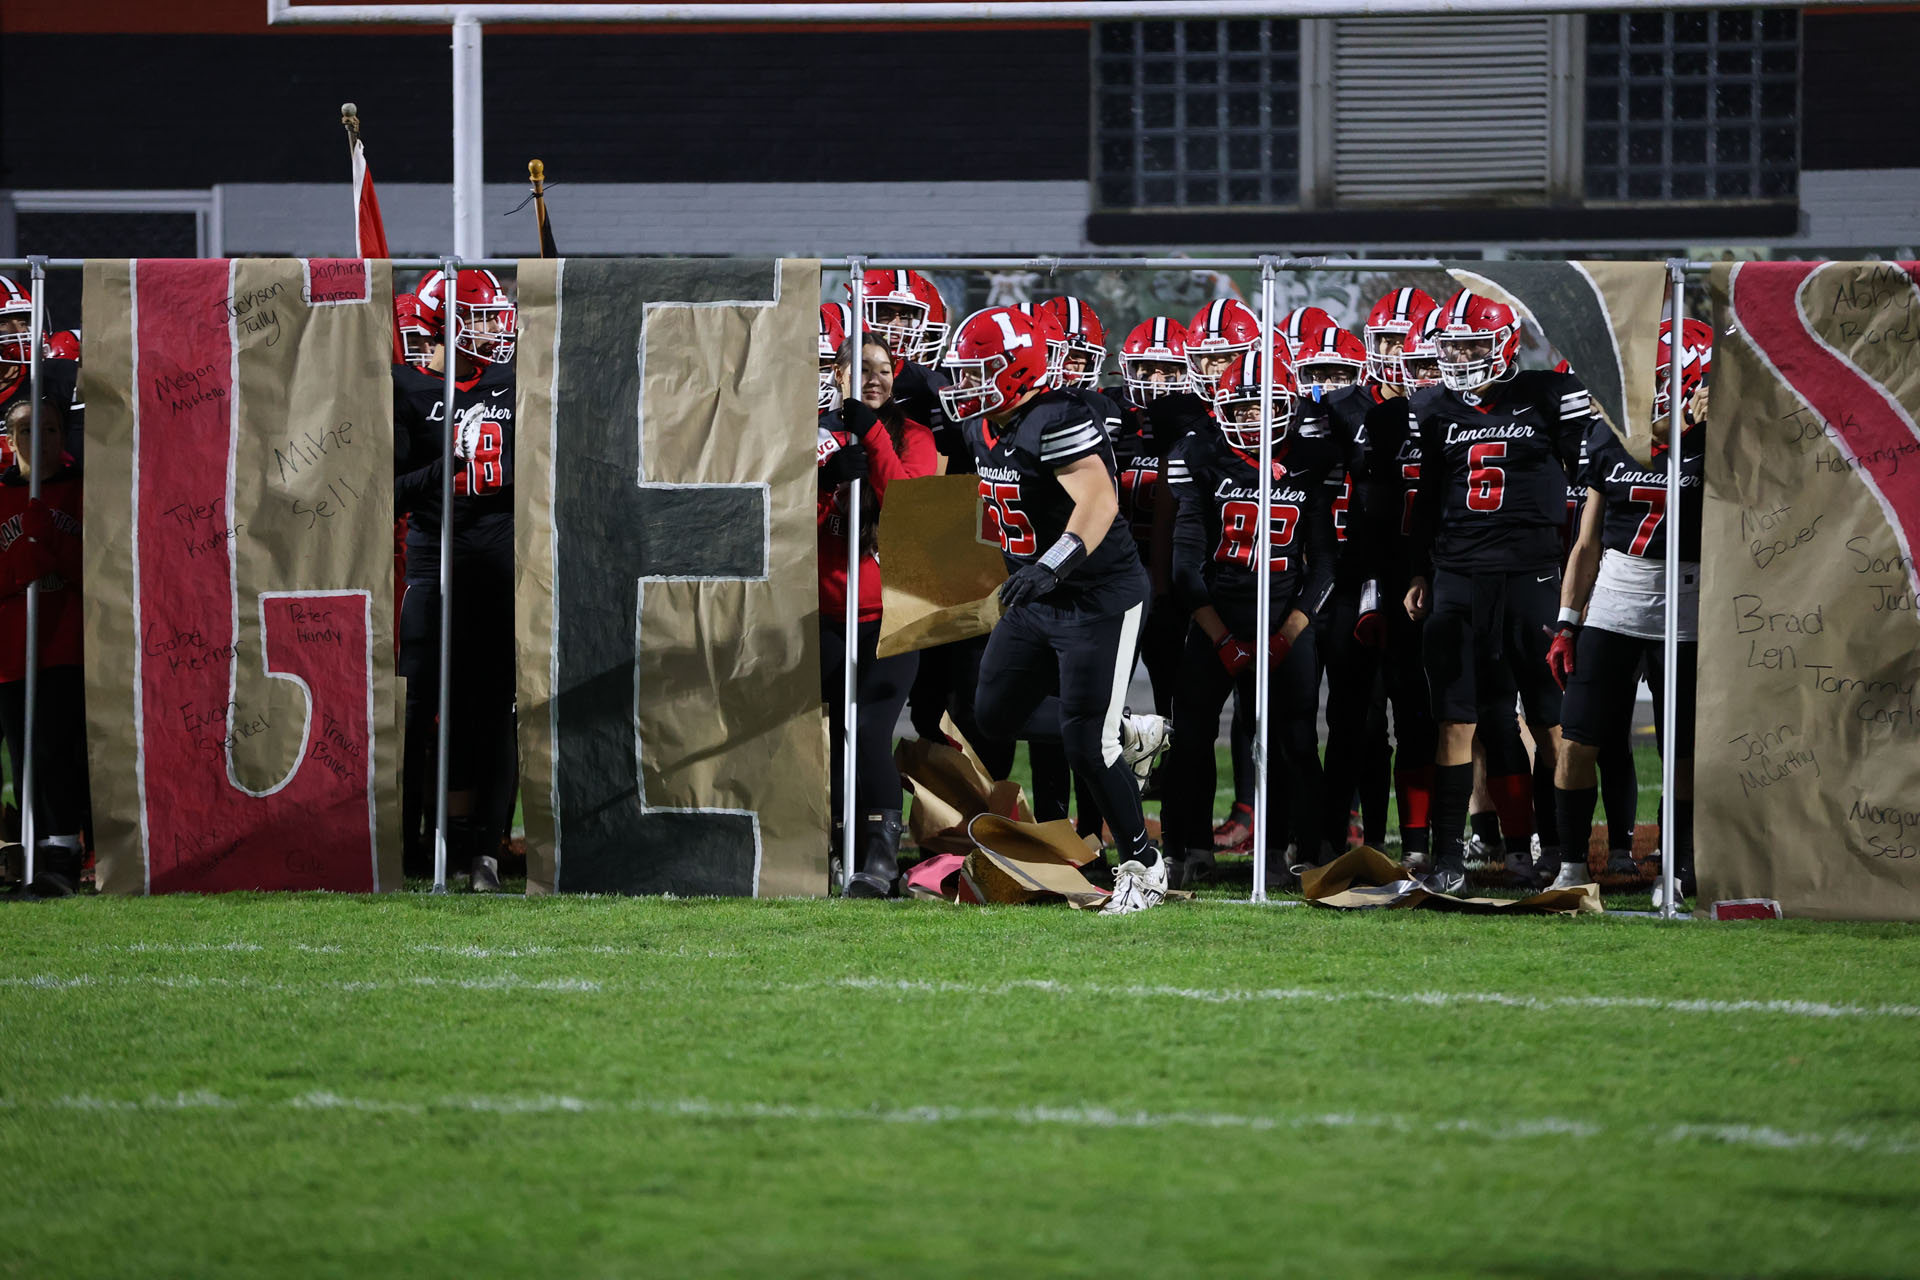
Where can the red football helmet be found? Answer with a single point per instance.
(485, 323)
(897, 305)
(64, 345)
(998, 356)
(1394, 319)
(1477, 341)
(1086, 339)
(1419, 362)
(1328, 360)
(933, 338)
(1301, 327)
(1153, 362)
(1236, 400)
(1696, 359)
(1055, 337)
(835, 319)
(417, 331)
(1221, 331)
(16, 323)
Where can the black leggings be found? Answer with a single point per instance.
(59, 747)
(1292, 702)
(482, 755)
(1037, 648)
(880, 691)
(944, 684)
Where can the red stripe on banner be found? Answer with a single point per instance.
(203, 832)
(332, 281)
(1858, 412)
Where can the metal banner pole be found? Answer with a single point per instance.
(1670, 638)
(449, 293)
(1263, 591)
(37, 335)
(850, 656)
(469, 121)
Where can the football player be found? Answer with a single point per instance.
(1330, 366)
(906, 310)
(1076, 592)
(1153, 365)
(1400, 362)
(1220, 333)
(477, 324)
(1613, 602)
(1215, 478)
(416, 334)
(1496, 447)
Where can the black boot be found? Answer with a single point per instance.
(56, 870)
(878, 875)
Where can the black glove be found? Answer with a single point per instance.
(844, 465)
(1174, 416)
(858, 417)
(1031, 581)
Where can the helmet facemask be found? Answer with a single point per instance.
(486, 331)
(1239, 414)
(1385, 343)
(901, 322)
(975, 389)
(1470, 361)
(1322, 375)
(1142, 386)
(1206, 381)
(16, 344)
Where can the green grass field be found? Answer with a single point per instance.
(308, 1085)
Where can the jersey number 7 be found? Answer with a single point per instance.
(1002, 522)
(1655, 499)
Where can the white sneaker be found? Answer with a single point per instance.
(1143, 740)
(1416, 860)
(1572, 875)
(1659, 897)
(1137, 887)
(1519, 869)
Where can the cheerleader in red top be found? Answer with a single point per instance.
(866, 441)
(40, 541)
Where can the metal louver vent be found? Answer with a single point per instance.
(1441, 109)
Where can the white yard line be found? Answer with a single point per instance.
(1544, 1128)
(1031, 986)
(1432, 999)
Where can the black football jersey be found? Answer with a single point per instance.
(1342, 417)
(1136, 455)
(916, 389)
(1393, 460)
(1634, 521)
(1027, 510)
(483, 484)
(1214, 534)
(1494, 472)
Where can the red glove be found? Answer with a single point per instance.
(1560, 653)
(1278, 647)
(1370, 631)
(1234, 654)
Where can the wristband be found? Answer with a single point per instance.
(1569, 617)
(1370, 596)
(1064, 556)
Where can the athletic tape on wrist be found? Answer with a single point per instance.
(1063, 555)
(1569, 617)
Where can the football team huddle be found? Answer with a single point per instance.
(1450, 537)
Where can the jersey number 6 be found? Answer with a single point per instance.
(1486, 484)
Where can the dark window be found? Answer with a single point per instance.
(1201, 113)
(1693, 106)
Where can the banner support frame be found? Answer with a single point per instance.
(1263, 594)
(449, 295)
(850, 650)
(37, 335)
(1670, 632)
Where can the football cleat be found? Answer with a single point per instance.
(1519, 867)
(1479, 855)
(1571, 876)
(1192, 867)
(1136, 887)
(1622, 865)
(1234, 834)
(1415, 860)
(485, 875)
(1143, 740)
(1660, 897)
(1451, 881)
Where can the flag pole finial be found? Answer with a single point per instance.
(536, 171)
(350, 117)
